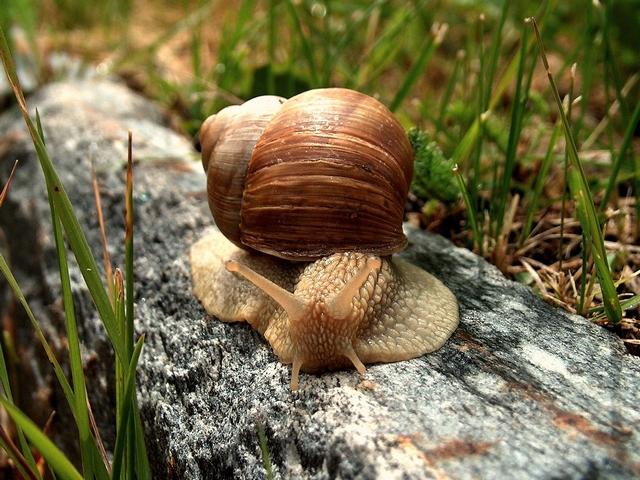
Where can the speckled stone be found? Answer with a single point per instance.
(520, 391)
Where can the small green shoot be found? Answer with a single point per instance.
(264, 449)
(433, 173)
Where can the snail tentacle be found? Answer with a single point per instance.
(294, 306)
(340, 305)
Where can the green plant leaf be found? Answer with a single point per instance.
(54, 457)
(307, 47)
(264, 448)
(4, 268)
(471, 213)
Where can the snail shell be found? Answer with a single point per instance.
(327, 171)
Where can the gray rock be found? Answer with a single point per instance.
(521, 390)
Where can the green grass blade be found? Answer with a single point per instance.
(244, 13)
(24, 461)
(6, 386)
(99, 467)
(143, 470)
(75, 235)
(498, 92)
(118, 306)
(271, 47)
(264, 449)
(593, 234)
(583, 276)
(541, 179)
(62, 380)
(517, 114)
(307, 47)
(128, 399)
(446, 98)
(346, 40)
(565, 183)
(476, 181)
(441, 128)
(588, 54)
(466, 144)
(471, 213)
(195, 41)
(26, 470)
(584, 202)
(128, 241)
(4, 268)
(77, 372)
(610, 59)
(625, 304)
(80, 247)
(426, 52)
(480, 92)
(54, 457)
(629, 133)
(382, 51)
(123, 420)
(236, 33)
(139, 459)
(4, 375)
(128, 318)
(495, 52)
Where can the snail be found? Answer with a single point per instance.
(308, 195)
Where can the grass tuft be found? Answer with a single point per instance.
(64, 220)
(585, 207)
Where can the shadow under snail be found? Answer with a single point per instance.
(308, 194)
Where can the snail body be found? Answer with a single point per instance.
(309, 196)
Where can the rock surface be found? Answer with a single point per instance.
(521, 390)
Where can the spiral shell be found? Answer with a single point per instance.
(327, 171)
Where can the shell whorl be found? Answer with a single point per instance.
(227, 142)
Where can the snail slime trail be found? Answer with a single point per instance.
(323, 287)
